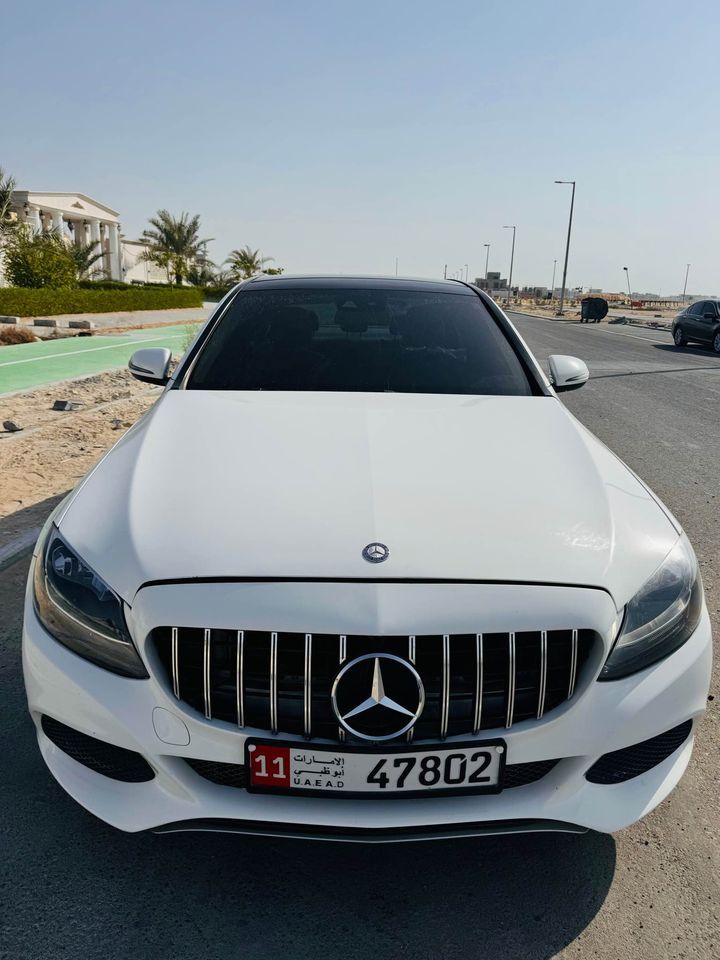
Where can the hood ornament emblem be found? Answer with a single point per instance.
(375, 552)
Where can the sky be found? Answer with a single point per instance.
(338, 136)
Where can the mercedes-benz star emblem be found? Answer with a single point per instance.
(376, 552)
(378, 696)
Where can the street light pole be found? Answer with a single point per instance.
(567, 245)
(627, 274)
(396, 266)
(466, 272)
(445, 273)
(687, 271)
(552, 288)
(512, 257)
(487, 257)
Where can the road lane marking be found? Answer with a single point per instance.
(73, 353)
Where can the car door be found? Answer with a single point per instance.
(707, 321)
(691, 320)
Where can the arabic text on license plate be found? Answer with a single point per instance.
(279, 768)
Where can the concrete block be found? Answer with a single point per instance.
(81, 324)
(4, 319)
(45, 322)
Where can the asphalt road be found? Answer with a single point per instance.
(71, 887)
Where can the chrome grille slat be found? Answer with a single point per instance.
(175, 667)
(411, 657)
(273, 683)
(543, 674)
(478, 682)
(281, 682)
(511, 681)
(343, 655)
(573, 664)
(307, 687)
(206, 675)
(240, 678)
(445, 696)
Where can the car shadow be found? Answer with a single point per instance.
(75, 887)
(693, 351)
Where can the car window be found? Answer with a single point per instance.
(696, 310)
(370, 340)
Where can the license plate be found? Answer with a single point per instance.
(344, 771)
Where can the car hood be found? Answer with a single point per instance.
(275, 485)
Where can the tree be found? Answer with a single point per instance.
(7, 186)
(246, 263)
(38, 259)
(84, 257)
(174, 243)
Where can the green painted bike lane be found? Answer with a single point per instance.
(27, 365)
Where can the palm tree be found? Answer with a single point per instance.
(246, 262)
(7, 186)
(174, 243)
(85, 256)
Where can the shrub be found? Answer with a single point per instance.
(11, 335)
(23, 302)
(215, 293)
(38, 260)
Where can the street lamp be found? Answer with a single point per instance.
(567, 245)
(487, 257)
(552, 288)
(687, 271)
(627, 274)
(466, 272)
(512, 256)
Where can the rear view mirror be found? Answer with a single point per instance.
(151, 365)
(567, 373)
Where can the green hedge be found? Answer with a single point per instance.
(29, 302)
(215, 293)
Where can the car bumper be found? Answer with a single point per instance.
(124, 712)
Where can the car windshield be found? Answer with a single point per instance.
(364, 340)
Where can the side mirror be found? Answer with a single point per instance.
(151, 365)
(567, 373)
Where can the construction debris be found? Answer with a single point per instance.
(11, 426)
(66, 405)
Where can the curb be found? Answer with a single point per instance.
(19, 547)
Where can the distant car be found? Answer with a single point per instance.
(699, 323)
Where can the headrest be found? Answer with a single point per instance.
(291, 323)
(352, 319)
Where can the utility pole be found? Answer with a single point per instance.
(512, 257)
(627, 274)
(687, 271)
(487, 257)
(567, 245)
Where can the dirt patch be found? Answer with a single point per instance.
(55, 448)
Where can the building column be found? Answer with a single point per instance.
(115, 265)
(57, 224)
(95, 240)
(33, 219)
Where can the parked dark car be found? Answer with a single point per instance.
(700, 323)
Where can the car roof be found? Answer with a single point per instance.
(345, 281)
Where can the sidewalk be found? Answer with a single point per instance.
(123, 320)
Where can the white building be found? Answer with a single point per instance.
(81, 220)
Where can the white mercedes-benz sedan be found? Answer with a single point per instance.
(359, 574)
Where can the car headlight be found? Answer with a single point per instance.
(80, 610)
(660, 617)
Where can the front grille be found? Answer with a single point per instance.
(235, 774)
(105, 758)
(622, 765)
(281, 682)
